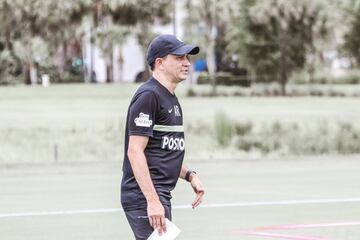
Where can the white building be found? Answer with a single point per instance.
(130, 53)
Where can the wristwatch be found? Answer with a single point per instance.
(188, 173)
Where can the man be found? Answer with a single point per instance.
(154, 140)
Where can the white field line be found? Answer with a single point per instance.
(218, 205)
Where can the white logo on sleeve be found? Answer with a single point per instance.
(143, 120)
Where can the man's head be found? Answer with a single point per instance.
(168, 54)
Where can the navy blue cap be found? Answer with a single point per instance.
(166, 44)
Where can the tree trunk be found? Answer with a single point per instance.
(211, 42)
(9, 45)
(27, 77)
(211, 64)
(83, 57)
(31, 71)
(120, 62)
(110, 66)
(311, 64)
(147, 73)
(283, 81)
(92, 58)
(142, 39)
(283, 67)
(63, 59)
(174, 17)
(108, 73)
(33, 74)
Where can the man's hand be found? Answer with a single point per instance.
(156, 214)
(198, 189)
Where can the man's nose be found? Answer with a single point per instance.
(187, 61)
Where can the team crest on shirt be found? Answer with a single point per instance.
(143, 120)
(177, 111)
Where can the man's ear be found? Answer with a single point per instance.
(159, 63)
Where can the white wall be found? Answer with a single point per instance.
(133, 59)
(99, 63)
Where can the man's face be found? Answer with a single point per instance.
(176, 67)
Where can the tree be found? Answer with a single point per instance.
(208, 18)
(352, 37)
(112, 19)
(28, 22)
(7, 34)
(59, 25)
(150, 12)
(105, 39)
(61, 29)
(277, 35)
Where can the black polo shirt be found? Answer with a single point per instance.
(156, 113)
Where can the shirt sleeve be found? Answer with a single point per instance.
(142, 114)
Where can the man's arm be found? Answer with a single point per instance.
(195, 184)
(155, 209)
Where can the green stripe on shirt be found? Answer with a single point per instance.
(169, 128)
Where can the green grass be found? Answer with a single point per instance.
(30, 188)
(87, 122)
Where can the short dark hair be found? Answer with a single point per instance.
(152, 66)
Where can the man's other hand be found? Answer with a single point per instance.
(156, 214)
(198, 189)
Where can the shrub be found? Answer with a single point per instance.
(320, 138)
(349, 77)
(191, 93)
(224, 78)
(243, 129)
(224, 129)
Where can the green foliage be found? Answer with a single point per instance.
(224, 129)
(242, 129)
(292, 139)
(34, 30)
(224, 78)
(238, 36)
(207, 23)
(57, 24)
(348, 77)
(275, 36)
(191, 93)
(352, 37)
(92, 118)
(75, 144)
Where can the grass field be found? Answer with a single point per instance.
(77, 196)
(85, 123)
(89, 187)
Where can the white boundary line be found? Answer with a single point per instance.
(285, 202)
(219, 205)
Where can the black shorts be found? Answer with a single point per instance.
(139, 222)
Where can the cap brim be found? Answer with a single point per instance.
(186, 49)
